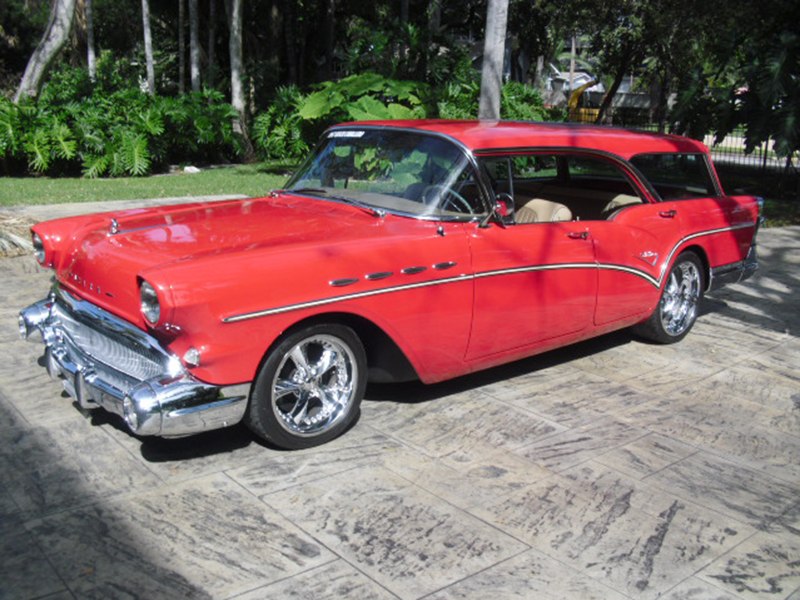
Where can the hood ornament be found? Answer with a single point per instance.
(114, 230)
(651, 258)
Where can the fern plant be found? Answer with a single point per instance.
(106, 127)
(280, 132)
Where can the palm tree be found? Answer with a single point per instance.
(494, 48)
(148, 48)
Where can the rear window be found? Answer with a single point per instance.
(676, 176)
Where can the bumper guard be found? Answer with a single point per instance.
(105, 362)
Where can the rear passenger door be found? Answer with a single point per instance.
(632, 236)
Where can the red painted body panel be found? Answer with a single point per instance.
(233, 276)
(433, 339)
(552, 293)
(489, 135)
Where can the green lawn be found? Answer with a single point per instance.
(249, 180)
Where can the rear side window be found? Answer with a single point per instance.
(676, 176)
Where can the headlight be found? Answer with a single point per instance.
(151, 309)
(38, 249)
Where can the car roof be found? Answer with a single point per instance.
(485, 136)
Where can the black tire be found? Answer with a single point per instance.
(310, 387)
(677, 308)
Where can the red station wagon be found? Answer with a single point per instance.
(399, 250)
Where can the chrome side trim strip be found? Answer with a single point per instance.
(647, 277)
(655, 282)
(534, 268)
(694, 236)
(343, 298)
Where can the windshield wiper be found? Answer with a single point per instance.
(377, 212)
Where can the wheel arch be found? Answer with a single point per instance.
(701, 253)
(386, 362)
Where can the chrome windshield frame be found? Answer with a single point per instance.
(434, 216)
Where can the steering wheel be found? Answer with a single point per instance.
(451, 199)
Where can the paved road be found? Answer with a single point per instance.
(613, 469)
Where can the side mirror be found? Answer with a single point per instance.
(504, 208)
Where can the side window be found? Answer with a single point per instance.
(535, 167)
(498, 170)
(593, 171)
(562, 186)
(677, 176)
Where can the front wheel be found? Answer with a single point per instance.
(677, 308)
(310, 387)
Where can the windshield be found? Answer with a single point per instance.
(399, 171)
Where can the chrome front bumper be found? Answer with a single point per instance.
(105, 362)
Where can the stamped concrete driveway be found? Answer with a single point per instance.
(612, 469)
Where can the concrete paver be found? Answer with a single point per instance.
(612, 469)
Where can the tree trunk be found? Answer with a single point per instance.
(234, 8)
(194, 45)
(493, 54)
(181, 46)
(148, 48)
(435, 17)
(403, 26)
(572, 68)
(288, 10)
(330, 35)
(55, 37)
(91, 60)
(609, 97)
(538, 78)
(212, 38)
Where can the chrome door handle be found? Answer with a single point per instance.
(668, 214)
(578, 235)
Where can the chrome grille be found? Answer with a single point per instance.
(110, 348)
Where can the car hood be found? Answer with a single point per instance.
(102, 259)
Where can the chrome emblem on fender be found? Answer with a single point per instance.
(114, 227)
(651, 258)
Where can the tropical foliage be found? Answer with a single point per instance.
(730, 65)
(107, 128)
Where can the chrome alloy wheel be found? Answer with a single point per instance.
(680, 298)
(314, 385)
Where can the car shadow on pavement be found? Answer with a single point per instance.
(159, 450)
(413, 392)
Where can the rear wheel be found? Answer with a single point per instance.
(677, 309)
(309, 389)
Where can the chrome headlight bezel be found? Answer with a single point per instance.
(150, 304)
(39, 251)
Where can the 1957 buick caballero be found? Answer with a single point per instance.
(399, 250)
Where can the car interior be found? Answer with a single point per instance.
(548, 188)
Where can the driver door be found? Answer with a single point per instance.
(533, 283)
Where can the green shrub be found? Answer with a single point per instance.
(519, 102)
(294, 121)
(34, 137)
(280, 132)
(459, 100)
(107, 128)
(366, 97)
